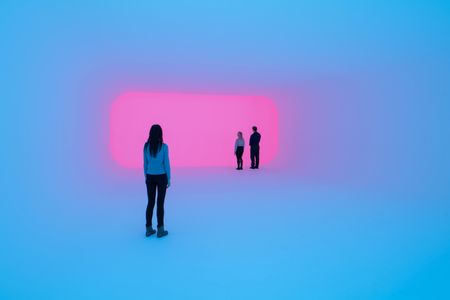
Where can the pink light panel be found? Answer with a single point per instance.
(199, 129)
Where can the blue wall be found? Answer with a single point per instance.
(362, 87)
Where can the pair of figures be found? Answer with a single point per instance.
(255, 138)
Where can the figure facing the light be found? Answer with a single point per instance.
(157, 177)
(255, 138)
(239, 149)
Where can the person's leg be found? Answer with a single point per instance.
(240, 157)
(162, 186)
(239, 153)
(257, 158)
(151, 193)
(252, 157)
(237, 158)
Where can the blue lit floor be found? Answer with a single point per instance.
(247, 235)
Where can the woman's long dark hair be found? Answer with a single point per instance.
(155, 140)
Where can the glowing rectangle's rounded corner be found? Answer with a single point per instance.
(210, 120)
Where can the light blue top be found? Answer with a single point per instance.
(157, 165)
(239, 143)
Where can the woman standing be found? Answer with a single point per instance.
(157, 177)
(239, 150)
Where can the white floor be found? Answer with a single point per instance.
(232, 235)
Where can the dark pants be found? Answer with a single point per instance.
(254, 156)
(239, 152)
(154, 182)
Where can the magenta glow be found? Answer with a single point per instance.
(200, 129)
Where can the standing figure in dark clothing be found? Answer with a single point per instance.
(254, 148)
(157, 178)
(239, 150)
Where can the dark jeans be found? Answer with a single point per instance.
(239, 152)
(154, 182)
(254, 156)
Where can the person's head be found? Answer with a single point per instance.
(239, 134)
(254, 128)
(155, 139)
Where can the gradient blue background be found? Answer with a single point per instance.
(356, 206)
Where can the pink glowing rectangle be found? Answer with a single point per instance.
(199, 129)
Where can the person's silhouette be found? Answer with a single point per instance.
(255, 138)
(157, 176)
(239, 150)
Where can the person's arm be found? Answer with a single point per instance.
(167, 165)
(235, 146)
(145, 164)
